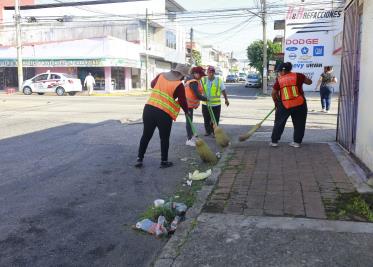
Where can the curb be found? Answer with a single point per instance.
(354, 172)
(170, 251)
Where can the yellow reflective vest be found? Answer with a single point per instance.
(213, 93)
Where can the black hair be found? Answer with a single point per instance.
(286, 66)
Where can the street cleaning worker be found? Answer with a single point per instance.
(161, 109)
(193, 93)
(213, 88)
(289, 100)
(326, 81)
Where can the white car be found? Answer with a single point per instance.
(52, 82)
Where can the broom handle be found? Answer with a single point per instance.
(194, 131)
(269, 114)
(212, 115)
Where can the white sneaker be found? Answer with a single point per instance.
(294, 144)
(190, 142)
(273, 144)
(323, 110)
(326, 111)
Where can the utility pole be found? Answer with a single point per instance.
(146, 49)
(17, 18)
(264, 22)
(191, 47)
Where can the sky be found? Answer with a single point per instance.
(235, 41)
(238, 34)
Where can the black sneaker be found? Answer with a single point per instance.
(166, 164)
(138, 163)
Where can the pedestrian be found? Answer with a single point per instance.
(161, 108)
(213, 88)
(326, 80)
(289, 99)
(194, 94)
(89, 82)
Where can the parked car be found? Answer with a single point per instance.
(231, 78)
(242, 77)
(52, 82)
(253, 80)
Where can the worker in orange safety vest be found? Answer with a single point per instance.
(194, 95)
(161, 109)
(289, 99)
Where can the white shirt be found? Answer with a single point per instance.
(89, 80)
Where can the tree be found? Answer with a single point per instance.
(197, 57)
(255, 53)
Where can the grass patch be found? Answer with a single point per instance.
(353, 206)
(184, 194)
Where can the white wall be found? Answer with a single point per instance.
(364, 138)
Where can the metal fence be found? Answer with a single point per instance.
(349, 87)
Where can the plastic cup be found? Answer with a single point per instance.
(158, 203)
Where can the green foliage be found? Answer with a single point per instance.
(354, 206)
(197, 57)
(255, 53)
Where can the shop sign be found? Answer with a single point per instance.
(70, 63)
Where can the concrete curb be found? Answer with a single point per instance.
(355, 174)
(171, 250)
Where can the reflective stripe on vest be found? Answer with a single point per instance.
(192, 99)
(290, 95)
(214, 94)
(162, 96)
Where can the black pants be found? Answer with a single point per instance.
(298, 116)
(326, 96)
(188, 127)
(155, 118)
(207, 119)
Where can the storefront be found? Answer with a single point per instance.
(111, 73)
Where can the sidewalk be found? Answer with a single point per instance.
(268, 206)
(267, 209)
(283, 181)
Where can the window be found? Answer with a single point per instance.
(41, 77)
(170, 39)
(55, 77)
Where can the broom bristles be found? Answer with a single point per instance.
(249, 133)
(221, 137)
(205, 152)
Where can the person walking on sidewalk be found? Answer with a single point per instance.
(193, 93)
(289, 99)
(326, 81)
(89, 82)
(213, 88)
(161, 109)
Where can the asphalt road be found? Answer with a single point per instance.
(68, 191)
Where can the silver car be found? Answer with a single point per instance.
(52, 82)
(253, 80)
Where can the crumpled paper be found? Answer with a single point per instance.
(196, 175)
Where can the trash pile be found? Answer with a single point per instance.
(162, 227)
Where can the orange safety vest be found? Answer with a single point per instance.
(162, 96)
(192, 99)
(290, 93)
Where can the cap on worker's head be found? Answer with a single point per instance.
(199, 70)
(211, 69)
(182, 69)
(286, 66)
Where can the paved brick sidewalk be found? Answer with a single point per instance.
(283, 181)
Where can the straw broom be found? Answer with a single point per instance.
(202, 148)
(255, 128)
(221, 137)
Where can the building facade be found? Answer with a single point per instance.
(355, 124)
(100, 24)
